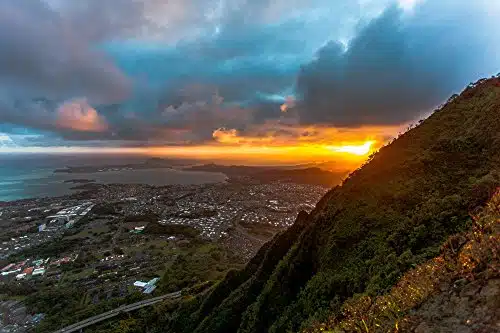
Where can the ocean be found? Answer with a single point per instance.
(24, 176)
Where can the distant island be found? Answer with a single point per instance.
(152, 163)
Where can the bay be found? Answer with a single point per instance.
(32, 176)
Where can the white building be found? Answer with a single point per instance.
(148, 287)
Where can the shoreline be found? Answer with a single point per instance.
(61, 184)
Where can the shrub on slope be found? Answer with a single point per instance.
(464, 258)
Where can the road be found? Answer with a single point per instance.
(115, 312)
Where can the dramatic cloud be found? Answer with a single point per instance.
(289, 103)
(78, 115)
(43, 56)
(189, 72)
(398, 66)
(282, 133)
(100, 20)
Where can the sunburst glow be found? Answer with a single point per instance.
(359, 150)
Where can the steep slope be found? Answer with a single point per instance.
(457, 291)
(231, 297)
(387, 217)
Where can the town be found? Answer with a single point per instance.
(117, 243)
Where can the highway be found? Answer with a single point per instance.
(115, 312)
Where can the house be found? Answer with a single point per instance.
(148, 287)
(39, 271)
(29, 270)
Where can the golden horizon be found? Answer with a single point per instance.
(347, 156)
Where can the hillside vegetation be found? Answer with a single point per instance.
(457, 290)
(388, 217)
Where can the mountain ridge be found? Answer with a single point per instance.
(287, 174)
(389, 216)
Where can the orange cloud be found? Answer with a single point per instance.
(78, 115)
(278, 134)
(232, 137)
(289, 103)
(282, 143)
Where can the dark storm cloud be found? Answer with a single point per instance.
(73, 119)
(243, 51)
(239, 63)
(181, 83)
(178, 70)
(99, 20)
(42, 56)
(397, 66)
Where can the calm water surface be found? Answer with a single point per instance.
(29, 176)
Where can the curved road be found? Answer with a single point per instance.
(115, 312)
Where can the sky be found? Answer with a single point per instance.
(212, 77)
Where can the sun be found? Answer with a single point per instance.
(359, 150)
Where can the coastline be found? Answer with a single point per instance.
(50, 184)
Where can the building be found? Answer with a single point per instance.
(148, 287)
(5, 273)
(6, 268)
(138, 230)
(38, 262)
(29, 270)
(140, 284)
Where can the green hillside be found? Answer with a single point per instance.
(457, 291)
(389, 216)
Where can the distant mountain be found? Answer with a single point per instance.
(150, 163)
(229, 170)
(313, 176)
(168, 162)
